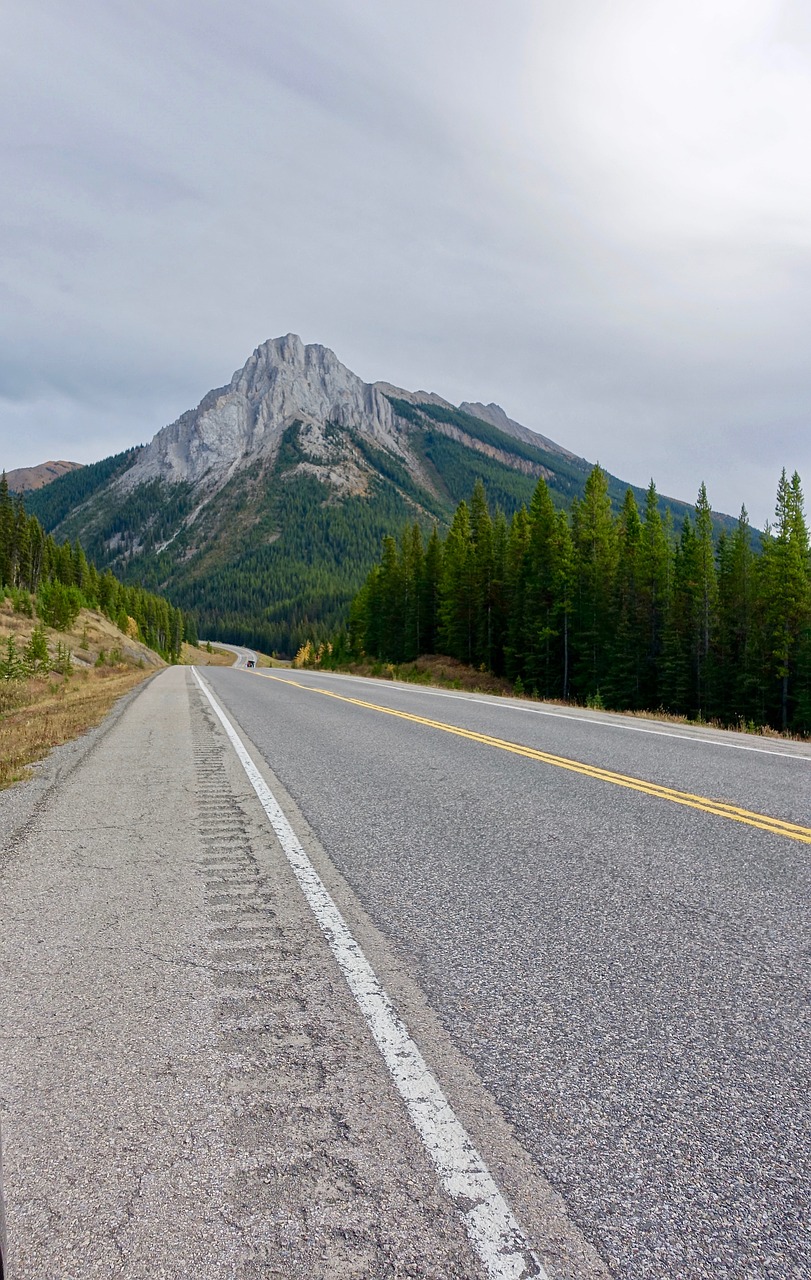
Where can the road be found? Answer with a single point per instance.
(593, 927)
(242, 655)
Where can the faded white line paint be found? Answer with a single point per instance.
(489, 1221)
(504, 704)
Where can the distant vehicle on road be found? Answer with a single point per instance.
(251, 662)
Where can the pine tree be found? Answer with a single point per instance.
(456, 616)
(786, 587)
(624, 684)
(482, 567)
(678, 668)
(498, 592)
(412, 561)
(737, 666)
(432, 577)
(707, 602)
(517, 588)
(595, 565)
(656, 578)
(6, 534)
(549, 552)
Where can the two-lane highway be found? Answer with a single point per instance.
(610, 919)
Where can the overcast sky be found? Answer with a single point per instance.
(596, 213)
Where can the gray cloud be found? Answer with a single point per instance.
(595, 214)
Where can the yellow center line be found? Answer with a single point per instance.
(777, 826)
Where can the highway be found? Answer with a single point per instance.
(593, 928)
(626, 972)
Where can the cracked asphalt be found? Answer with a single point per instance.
(186, 1086)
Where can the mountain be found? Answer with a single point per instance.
(262, 509)
(25, 479)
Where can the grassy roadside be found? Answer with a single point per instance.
(94, 664)
(441, 672)
(433, 670)
(57, 711)
(199, 656)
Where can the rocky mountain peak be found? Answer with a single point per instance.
(284, 381)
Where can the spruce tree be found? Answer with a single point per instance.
(707, 601)
(392, 620)
(517, 588)
(738, 677)
(6, 534)
(656, 578)
(481, 533)
(456, 617)
(498, 592)
(595, 565)
(432, 577)
(545, 613)
(628, 647)
(412, 560)
(786, 588)
(682, 624)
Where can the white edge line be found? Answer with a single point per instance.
(491, 1226)
(504, 704)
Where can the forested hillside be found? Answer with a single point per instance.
(261, 511)
(58, 580)
(277, 556)
(615, 609)
(55, 501)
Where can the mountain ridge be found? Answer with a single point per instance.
(264, 507)
(29, 479)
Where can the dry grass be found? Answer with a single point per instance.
(194, 656)
(436, 670)
(39, 714)
(48, 713)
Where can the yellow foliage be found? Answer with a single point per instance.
(305, 656)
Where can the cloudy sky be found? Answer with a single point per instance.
(597, 214)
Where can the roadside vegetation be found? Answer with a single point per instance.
(603, 608)
(205, 655)
(56, 684)
(72, 639)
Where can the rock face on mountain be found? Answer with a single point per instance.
(27, 479)
(284, 382)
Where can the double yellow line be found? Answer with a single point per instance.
(719, 809)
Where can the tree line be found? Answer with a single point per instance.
(61, 580)
(619, 610)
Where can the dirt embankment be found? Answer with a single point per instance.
(87, 669)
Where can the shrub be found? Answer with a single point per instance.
(58, 606)
(36, 652)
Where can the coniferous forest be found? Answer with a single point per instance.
(613, 609)
(59, 580)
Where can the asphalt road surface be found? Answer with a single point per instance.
(594, 928)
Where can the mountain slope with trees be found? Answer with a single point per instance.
(57, 580)
(262, 511)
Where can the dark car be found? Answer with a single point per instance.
(251, 662)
